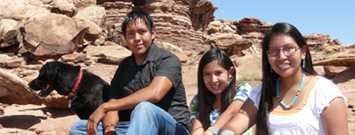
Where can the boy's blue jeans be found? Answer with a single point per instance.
(146, 119)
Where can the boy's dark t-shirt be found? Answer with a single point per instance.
(131, 77)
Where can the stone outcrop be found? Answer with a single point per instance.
(250, 24)
(92, 13)
(230, 43)
(14, 90)
(10, 62)
(179, 52)
(51, 35)
(8, 32)
(66, 7)
(318, 41)
(83, 3)
(237, 37)
(344, 57)
(109, 54)
(222, 26)
(48, 28)
(22, 9)
(202, 13)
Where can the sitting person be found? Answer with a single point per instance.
(147, 93)
(292, 99)
(218, 97)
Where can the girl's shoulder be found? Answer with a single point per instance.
(325, 86)
(324, 92)
(243, 86)
(242, 91)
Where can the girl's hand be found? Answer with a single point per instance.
(94, 119)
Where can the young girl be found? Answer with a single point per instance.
(292, 100)
(218, 98)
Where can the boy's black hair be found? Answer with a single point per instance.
(133, 16)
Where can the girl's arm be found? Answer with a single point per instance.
(197, 128)
(334, 117)
(241, 96)
(242, 120)
(231, 110)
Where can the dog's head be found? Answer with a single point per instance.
(47, 75)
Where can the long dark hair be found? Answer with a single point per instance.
(269, 76)
(205, 97)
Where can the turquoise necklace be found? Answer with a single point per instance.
(294, 99)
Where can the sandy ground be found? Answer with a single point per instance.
(39, 120)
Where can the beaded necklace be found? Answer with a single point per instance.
(294, 99)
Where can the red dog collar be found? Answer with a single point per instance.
(76, 84)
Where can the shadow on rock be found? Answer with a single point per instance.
(20, 121)
(53, 113)
(344, 76)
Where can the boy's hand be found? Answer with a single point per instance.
(94, 120)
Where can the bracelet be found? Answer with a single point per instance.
(227, 132)
(110, 125)
(214, 130)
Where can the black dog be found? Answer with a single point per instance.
(86, 91)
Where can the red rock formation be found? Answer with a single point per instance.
(250, 24)
(202, 13)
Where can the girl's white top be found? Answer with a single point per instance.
(307, 119)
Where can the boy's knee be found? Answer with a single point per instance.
(144, 105)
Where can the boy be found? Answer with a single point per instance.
(146, 90)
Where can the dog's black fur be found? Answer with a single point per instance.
(62, 77)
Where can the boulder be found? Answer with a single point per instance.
(202, 13)
(345, 57)
(66, 7)
(14, 90)
(221, 26)
(10, 62)
(21, 9)
(8, 32)
(251, 24)
(83, 3)
(317, 39)
(52, 35)
(230, 43)
(74, 58)
(182, 55)
(107, 54)
(93, 29)
(94, 13)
